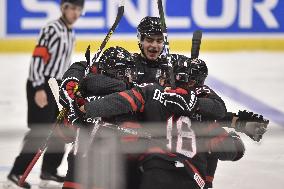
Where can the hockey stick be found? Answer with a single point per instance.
(166, 43)
(55, 91)
(196, 42)
(119, 15)
(53, 85)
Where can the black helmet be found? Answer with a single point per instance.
(149, 26)
(188, 69)
(116, 62)
(181, 70)
(75, 2)
(198, 71)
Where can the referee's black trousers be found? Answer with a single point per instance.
(40, 122)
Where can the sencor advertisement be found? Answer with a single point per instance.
(25, 17)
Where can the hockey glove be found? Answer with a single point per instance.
(253, 125)
(181, 104)
(240, 146)
(68, 89)
(74, 115)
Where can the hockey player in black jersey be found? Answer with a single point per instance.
(253, 125)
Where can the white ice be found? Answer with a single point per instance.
(257, 74)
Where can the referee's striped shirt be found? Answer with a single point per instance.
(52, 55)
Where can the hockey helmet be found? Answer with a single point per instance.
(198, 71)
(75, 2)
(117, 62)
(149, 26)
(181, 70)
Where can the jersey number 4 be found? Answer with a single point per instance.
(181, 138)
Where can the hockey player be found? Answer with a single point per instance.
(253, 125)
(51, 58)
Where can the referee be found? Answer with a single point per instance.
(51, 58)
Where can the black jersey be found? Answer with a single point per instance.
(149, 71)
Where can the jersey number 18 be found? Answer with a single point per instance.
(181, 139)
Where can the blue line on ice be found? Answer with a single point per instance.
(253, 104)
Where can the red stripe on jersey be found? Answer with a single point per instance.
(72, 185)
(140, 98)
(199, 180)
(42, 52)
(193, 168)
(129, 99)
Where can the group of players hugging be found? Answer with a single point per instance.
(132, 129)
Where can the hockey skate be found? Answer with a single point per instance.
(51, 180)
(12, 182)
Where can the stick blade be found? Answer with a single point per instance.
(55, 91)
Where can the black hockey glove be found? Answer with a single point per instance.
(182, 104)
(68, 89)
(253, 125)
(240, 146)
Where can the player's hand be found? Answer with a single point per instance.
(253, 125)
(68, 89)
(240, 146)
(41, 98)
(74, 115)
(180, 103)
